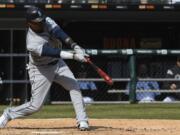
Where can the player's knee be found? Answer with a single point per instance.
(73, 85)
(36, 107)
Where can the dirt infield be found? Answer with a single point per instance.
(98, 127)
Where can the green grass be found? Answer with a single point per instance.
(121, 111)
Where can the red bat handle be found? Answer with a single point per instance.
(100, 72)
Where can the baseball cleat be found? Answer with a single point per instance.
(3, 121)
(83, 126)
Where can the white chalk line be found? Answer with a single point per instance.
(46, 132)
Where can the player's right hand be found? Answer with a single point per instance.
(79, 57)
(80, 50)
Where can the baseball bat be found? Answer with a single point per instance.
(105, 76)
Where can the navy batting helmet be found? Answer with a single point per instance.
(34, 14)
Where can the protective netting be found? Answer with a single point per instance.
(153, 69)
(149, 67)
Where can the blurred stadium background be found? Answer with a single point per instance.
(121, 35)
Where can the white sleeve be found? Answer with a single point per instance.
(66, 55)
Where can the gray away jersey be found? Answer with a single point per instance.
(36, 41)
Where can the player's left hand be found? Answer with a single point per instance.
(79, 50)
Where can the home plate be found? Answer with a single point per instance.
(46, 132)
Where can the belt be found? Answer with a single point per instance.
(53, 62)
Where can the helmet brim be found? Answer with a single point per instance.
(38, 20)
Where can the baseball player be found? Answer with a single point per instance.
(44, 40)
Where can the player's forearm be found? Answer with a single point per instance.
(60, 34)
(66, 55)
(55, 52)
(70, 42)
(50, 51)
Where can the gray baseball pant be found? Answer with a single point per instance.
(41, 78)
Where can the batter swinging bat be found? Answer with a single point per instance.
(106, 77)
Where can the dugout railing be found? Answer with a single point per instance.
(131, 55)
